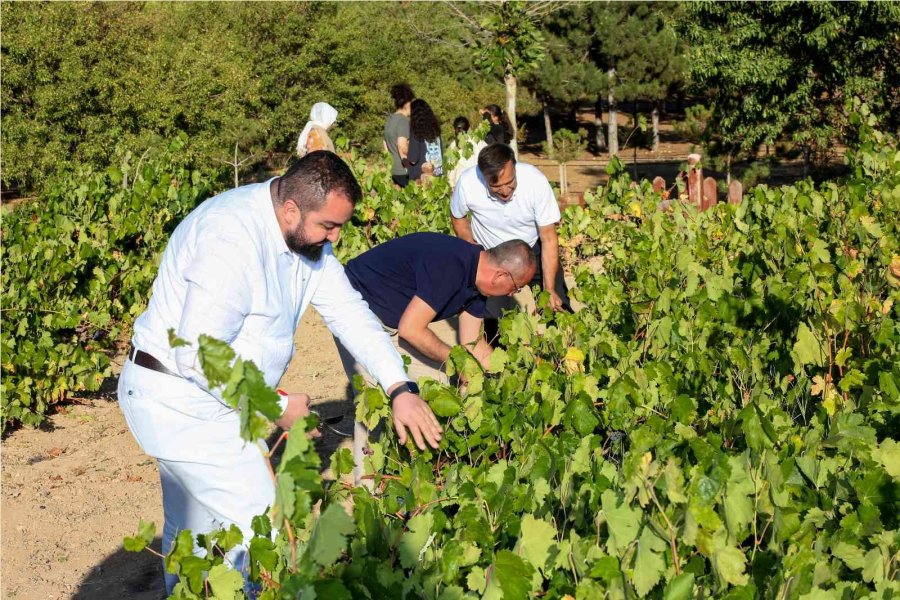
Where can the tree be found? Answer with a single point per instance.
(783, 71)
(83, 81)
(566, 147)
(567, 74)
(640, 51)
(505, 39)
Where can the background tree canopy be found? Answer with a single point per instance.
(83, 80)
(86, 82)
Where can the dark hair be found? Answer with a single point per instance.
(422, 122)
(402, 93)
(493, 159)
(311, 179)
(460, 124)
(514, 256)
(495, 111)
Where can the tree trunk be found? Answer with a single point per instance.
(236, 165)
(548, 129)
(599, 138)
(613, 137)
(511, 83)
(806, 156)
(654, 116)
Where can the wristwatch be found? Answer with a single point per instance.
(407, 386)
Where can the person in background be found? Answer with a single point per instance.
(396, 132)
(500, 131)
(425, 145)
(502, 199)
(315, 135)
(467, 148)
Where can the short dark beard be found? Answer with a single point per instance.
(298, 244)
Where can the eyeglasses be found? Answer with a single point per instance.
(518, 288)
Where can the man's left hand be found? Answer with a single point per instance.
(409, 411)
(556, 302)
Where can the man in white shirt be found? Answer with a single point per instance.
(508, 200)
(243, 267)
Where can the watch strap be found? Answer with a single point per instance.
(407, 386)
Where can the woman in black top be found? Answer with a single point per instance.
(499, 133)
(425, 146)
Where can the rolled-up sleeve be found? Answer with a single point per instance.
(349, 318)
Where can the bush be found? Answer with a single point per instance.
(78, 264)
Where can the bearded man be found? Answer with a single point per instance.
(243, 267)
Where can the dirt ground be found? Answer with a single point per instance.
(72, 491)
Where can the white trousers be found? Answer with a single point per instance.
(210, 477)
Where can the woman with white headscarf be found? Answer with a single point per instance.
(315, 135)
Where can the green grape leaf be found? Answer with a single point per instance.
(297, 443)
(648, 562)
(262, 554)
(808, 349)
(622, 522)
(341, 462)
(873, 569)
(226, 583)
(215, 357)
(852, 555)
(175, 341)
(681, 587)
(443, 401)
(229, 538)
(329, 538)
(730, 563)
(285, 497)
(498, 359)
(144, 537)
(888, 455)
(536, 539)
(581, 415)
(513, 574)
(413, 541)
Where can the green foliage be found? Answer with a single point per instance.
(719, 420)
(567, 145)
(78, 263)
(76, 78)
(781, 71)
(513, 45)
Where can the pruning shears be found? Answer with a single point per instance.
(324, 422)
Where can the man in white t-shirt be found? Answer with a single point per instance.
(500, 199)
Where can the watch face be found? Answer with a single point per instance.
(413, 387)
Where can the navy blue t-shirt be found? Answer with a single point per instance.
(440, 269)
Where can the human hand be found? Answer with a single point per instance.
(298, 406)
(409, 411)
(556, 302)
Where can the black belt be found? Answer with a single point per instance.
(142, 359)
